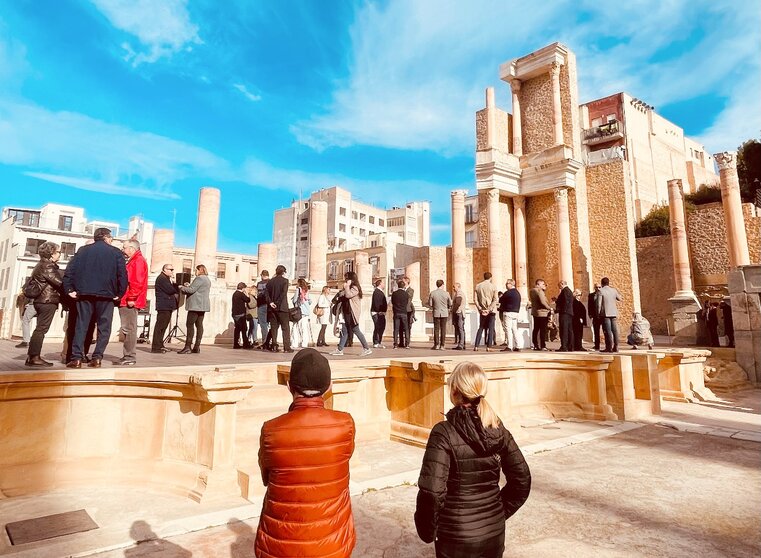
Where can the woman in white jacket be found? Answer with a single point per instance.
(302, 329)
(322, 312)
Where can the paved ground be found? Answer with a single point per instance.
(646, 492)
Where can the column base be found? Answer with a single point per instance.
(216, 484)
(683, 321)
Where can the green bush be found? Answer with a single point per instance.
(706, 193)
(655, 223)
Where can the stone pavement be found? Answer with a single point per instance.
(646, 492)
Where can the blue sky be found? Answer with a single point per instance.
(130, 106)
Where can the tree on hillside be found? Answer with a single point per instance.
(706, 193)
(655, 223)
(749, 168)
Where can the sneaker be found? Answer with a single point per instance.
(381, 346)
(125, 362)
(366, 352)
(337, 353)
(22, 345)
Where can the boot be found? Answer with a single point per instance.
(185, 350)
(37, 361)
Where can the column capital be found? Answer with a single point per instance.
(515, 86)
(519, 202)
(726, 160)
(561, 194)
(493, 195)
(675, 183)
(555, 69)
(459, 193)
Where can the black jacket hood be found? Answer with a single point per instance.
(467, 423)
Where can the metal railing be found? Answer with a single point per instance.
(603, 131)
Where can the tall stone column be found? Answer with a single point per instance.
(519, 238)
(515, 87)
(737, 239)
(417, 331)
(557, 112)
(496, 249)
(364, 270)
(207, 229)
(267, 259)
(162, 251)
(459, 250)
(318, 243)
(491, 120)
(565, 255)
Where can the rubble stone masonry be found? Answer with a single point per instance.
(536, 113)
(656, 282)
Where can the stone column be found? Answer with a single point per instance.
(491, 120)
(496, 249)
(207, 229)
(557, 112)
(163, 245)
(459, 250)
(515, 86)
(318, 243)
(519, 238)
(417, 332)
(364, 270)
(737, 239)
(267, 258)
(682, 272)
(565, 255)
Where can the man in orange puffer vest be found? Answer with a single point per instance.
(304, 458)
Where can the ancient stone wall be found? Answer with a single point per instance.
(506, 237)
(536, 113)
(483, 220)
(656, 280)
(502, 129)
(433, 266)
(567, 109)
(482, 134)
(542, 239)
(752, 218)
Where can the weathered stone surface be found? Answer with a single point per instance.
(656, 285)
(536, 113)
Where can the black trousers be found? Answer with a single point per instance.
(410, 316)
(241, 331)
(101, 311)
(486, 326)
(321, 336)
(400, 330)
(458, 321)
(280, 320)
(163, 318)
(493, 547)
(566, 331)
(539, 333)
(578, 335)
(194, 325)
(596, 325)
(610, 327)
(45, 315)
(439, 331)
(379, 326)
(71, 329)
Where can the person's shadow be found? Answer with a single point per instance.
(243, 546)
(148, 544)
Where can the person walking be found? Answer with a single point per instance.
(459, 305)
(165, 294)
(564, 311)
(47, 281)
(96, 278)
(133, 300)
(352, 317)
(607, 309)
(410, 308)
(251, 316)
(593, 316)
(240, 302)
(28, 313)
(399, 305)
(509, 308)
(486, 303)
(302, 330)
(440, 303)
(540, 312)
(197, 303)
(378, 309)
(460, 506)
(579, 321)
(262, 309)
(304, 460)
(277, 299)
(322, 312)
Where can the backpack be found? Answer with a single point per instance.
(32, 288)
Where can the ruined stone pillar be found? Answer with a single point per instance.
(459, 250)
(515, 87)
(364, 270)
(491, 120)
(496, 249)
(557, 113)
(267, 258)
(682, 271)
(737, 239)
(519, 238)
(417, 331)
(207, 229)
(565, 255)
(318, 243)
(163, 245)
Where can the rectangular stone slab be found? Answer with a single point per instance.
(49, 527)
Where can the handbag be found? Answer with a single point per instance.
(319, 311)
(294, 314)
(32, 288)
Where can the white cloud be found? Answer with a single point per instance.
(103, 188)
(253, 97)
(162, 28)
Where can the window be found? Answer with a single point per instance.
(305, 220)
(303, 238)
(187, 266)
(361, 232)
(237, 268)
(470, 239)
(32, 245)
(26, 218)
(342, 211)
(371, 219)
(64, 222)
(373, 243)
(354, 230)
(596, 122)
(341, 227)
(470, 214)
(353, 214)
(380, 222)
(221, 270)
(68, 249)
(611, 118)
(362, 216)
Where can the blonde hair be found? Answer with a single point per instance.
(467, 384)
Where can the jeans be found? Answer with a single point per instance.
(345, 336)
(510, 325)
(280, 320)
(71, 329)
(439, 331)
(128, 318)
(400, 330)
(493, 547)
(101, 311)
(379, 326)
(26, 322)
(539, 333)
(240, 333)
(486, 326)
(458, 320)
(261, 316)
(163, 318)
(194, 325)
(45, 314)
(610, 327)
(596, 325)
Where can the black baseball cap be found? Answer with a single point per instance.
(310, 373)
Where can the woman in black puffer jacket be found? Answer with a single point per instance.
(459, 504)
(50, 280)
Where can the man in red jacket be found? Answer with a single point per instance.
(304, 459)
(133, 300)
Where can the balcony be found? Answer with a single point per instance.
(602, 134)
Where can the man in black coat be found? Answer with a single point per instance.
(239, 311)
(165, 294)
(579, 321)
(97, 279)
(277, 298)
(564, 309)
(594, 316)
(400, 300)
(378, 309)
